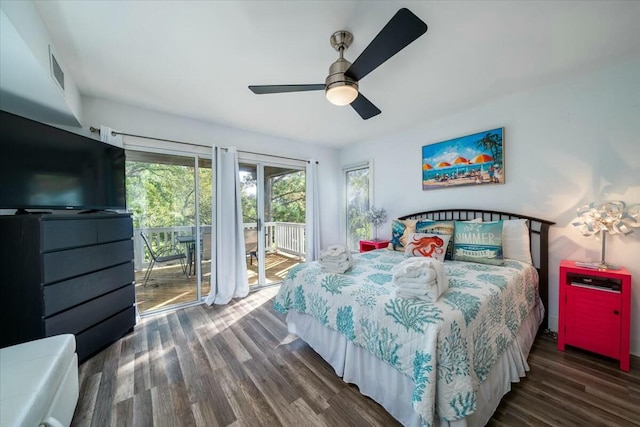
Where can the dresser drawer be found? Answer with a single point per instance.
(104, 333)
(112, 229)
(79, 318)
(68, 234)
(62, 295)
(75, 262)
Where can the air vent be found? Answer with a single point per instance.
(56, 71)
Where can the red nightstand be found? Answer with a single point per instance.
(595, 311)
(369, 245)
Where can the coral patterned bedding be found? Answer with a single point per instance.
(446, 347)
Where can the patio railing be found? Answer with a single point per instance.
(284, 237)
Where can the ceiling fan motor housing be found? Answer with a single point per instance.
(337, 77)
(343, 89)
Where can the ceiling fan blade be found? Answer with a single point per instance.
(364, 107)
(400, 31)
(265, 89)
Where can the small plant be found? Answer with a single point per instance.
(376, 217)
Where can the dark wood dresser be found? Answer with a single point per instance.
(67, 274)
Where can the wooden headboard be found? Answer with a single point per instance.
(538, 237)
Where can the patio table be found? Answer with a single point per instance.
(190, 244)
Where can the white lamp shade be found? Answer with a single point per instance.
(341, 95)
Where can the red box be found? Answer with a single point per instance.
(369, 245)
(595, 311)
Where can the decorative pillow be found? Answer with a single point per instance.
(401, 229)
(440, 228)
(478, 242)
(427, 245)
(515, 240)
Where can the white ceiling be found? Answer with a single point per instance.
(196, 59)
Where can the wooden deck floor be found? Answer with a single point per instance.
(168, 285)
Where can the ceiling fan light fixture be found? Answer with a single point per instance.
(342, 94)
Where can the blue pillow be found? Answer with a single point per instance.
(478, 242)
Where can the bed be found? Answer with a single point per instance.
(446, 363)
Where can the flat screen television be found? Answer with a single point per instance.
(43, 167)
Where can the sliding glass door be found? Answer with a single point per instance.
(273, 206)
(170, 198)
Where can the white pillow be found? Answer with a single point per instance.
(427, 245)
(515, 240)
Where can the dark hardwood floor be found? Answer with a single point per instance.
(236, 366)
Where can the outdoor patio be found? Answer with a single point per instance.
(168, 285)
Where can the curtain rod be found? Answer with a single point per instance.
(114, 133)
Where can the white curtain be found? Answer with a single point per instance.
(229, 274)
(312, 233)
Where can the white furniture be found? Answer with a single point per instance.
(39, 382)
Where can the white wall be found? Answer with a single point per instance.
(26, 83)
(139, 121)
(565, 145)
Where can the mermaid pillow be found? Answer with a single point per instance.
(427, 245)
(401, 229)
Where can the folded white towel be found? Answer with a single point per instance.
(334, 251)
(414, 283)
(339, 258)
(336, 270)
(337, 264)
(336, 259)
(429, 269)
(412, 267)
(339, 267)
(426, 276)
(427, 294)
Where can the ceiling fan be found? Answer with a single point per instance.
(341, 85)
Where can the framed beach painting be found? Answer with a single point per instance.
(476, 159)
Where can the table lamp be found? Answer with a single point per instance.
(609, 217)
(376, 217)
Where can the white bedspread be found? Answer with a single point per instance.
(446, 348)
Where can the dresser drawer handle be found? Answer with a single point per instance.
(616, 312)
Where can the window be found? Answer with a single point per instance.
(358, 192)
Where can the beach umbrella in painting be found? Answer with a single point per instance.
(443, 165)
(461, 161)
(425, 171)
(482, 158)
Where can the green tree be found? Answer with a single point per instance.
(163, 195)
(248, 188)
(288, 197)
(493, 143)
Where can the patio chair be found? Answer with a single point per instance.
(251, 244)
(165, 255)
